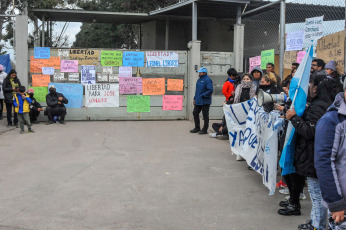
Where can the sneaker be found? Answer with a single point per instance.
(222, 137)
(301, 197)
(21, 131)
(49, 122)
(202, 132)
(306, 226)
(195, 130)
(291, 209)
(239, 158)
(281, 184)
(31, 131)
(212, 135)
(284, 191)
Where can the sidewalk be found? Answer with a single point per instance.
(3, 125)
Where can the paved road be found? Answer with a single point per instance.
(130, 175)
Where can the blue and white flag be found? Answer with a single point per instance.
(299, 94)
(6, 62)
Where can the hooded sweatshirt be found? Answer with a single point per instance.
(256, 82)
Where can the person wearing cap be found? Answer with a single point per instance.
(2, 78)
(35, 107)
(55, 105)
(330, 68)
(202, 101)
(10, 86)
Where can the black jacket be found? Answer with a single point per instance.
(8, 89)
(305, 130)
(52, 100)
(34, 102)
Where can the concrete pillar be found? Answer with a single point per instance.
(22, 48)
(282, 36)
(238, 48)
(194, 57)
(194, 21)
(167, 35)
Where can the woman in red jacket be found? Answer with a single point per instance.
(228, 88)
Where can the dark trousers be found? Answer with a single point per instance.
(205, 112)
(34, 113)
(1, 107)
(216, 127)
(295, 184)
(58, 111)
(9, 108)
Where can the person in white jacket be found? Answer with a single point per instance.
(2, 77)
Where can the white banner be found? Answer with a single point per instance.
(253, 134)
(102, 95)
(162, 59)
(295, 40)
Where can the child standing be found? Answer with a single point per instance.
(21, 102)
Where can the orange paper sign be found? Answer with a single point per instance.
(175, 84)
(153, 86)
(40, 80)
(37, 64)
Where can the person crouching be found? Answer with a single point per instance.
(55, 105)
(21, 104)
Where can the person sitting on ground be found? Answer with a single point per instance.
(220, 130)
(55, 105)
(246, 90)
(270, 68)
(228, 87)
(21, 102)
(35, 107)
(256, 74)
(330, 69)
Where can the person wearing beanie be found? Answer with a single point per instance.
(35, 107)
(2, 78)
(55, 105)
(331, 71)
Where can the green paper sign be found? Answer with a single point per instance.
(111, 58)
(138, 104)
(267, 56)
(40, 93)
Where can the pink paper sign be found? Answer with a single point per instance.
(130, 85)
(300, 56)
(172, 102)
(254, 61)
(69, 66)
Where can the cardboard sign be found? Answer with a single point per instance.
(102, 95)
(42, 52)
(72, 92)
(254, 62)
(289, 58)
(175, 84)
(37, 64)
(172, 102)
(40, 93)
(332, 47)
(40, 80)
(88, 74)
(111, 58)
(59, 77)
(313, 28)
(114, 78)
(63, 53)
(162, 59)
(125, 71)
(107, 69)
(133, 59)
(153, 86)
(295, 40)
(69, 66)
(130, 85)
(300, 56)
(85, 56)
(138, 104)
(48, 70)
(102, 77)
(267, 56)
(73, 77)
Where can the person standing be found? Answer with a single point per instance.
(202, 101)
(228, 88)
(10, 86)
(2, 77)
(21, 102)
(270, 68)
(332, 72)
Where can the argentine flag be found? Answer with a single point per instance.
(299, 94)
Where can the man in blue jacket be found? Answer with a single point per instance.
(202, 101)
(330, 160)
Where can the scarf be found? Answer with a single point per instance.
(14, 85)
(240, 88)
(230, 80)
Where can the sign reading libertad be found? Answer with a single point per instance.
(84, 57)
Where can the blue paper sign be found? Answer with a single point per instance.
(72, 92)
(133, 59)
(42, 52)
(6, 62)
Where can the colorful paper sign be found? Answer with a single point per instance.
(48, 70)
(111, 58)
(72, 92)
(42, 52)
(40, 93)
(133, 59)
(102, 95)
(130, 85)
(114, 78)
(88, 74)
(40, 80)
(84, 56)
(138, 104)
(175, 84)
(253, 62)
(37, 64)
(102, 77)
(107, 69)
(154, 86)
(172, 102)
(125, 71)
(267, 56)
(69, 66)
(162, 59)
(73, 77)
(300, 56)
(295, 40)
(313, 28)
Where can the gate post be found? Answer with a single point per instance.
(21, 46)
(194, 60)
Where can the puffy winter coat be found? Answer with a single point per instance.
(227, 89)
(53, 99)
(204, 90)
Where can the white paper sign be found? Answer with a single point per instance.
(73, 77)
(295, 40)
(48, 70)
(101, 77)
(162, 59)
(88, 74)
(114, 78)
(59, 77)
(125, 71)
(107, 69)
(313, 28)
(102, 95)
(63, 53)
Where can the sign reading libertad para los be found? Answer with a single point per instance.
(162, 59)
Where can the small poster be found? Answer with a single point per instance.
(172, 102)
(162, 59)
(111, 58)
(138, 104)
(254, 61)
(114, 78)
(154, 86)
(107, 69)
(267, 56)
(175, 84)
(125, 71)
(69, 66)
(40, 80)
(313, 28)
(88, 74)
(130, 85)
(133, 59)
(102, 95)
(102, 77)
(63, 53)
(73, 77)
(295, 40)
(59, 77)
(48, 70)
(42, 52)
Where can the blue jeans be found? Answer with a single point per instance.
(318, 211)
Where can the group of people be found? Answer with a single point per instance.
(321, 163)
(23, 104)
